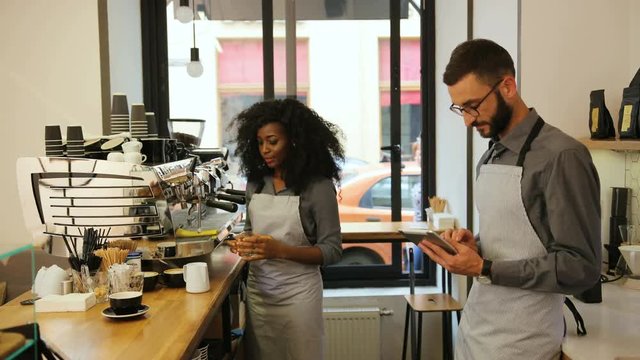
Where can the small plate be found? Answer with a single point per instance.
(112, 143)
(108, 312)
(91, 142)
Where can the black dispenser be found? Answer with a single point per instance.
(618, 217)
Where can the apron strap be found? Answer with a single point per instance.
(260, 187)
(535, 131)
(580, 328)
(527, 143)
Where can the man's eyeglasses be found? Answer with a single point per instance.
(472, 110)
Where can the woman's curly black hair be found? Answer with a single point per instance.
(314, 143)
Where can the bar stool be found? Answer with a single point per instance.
(421, 303)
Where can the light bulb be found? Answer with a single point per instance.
(194, 68)
(184, 13)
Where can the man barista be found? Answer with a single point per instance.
(538, 198)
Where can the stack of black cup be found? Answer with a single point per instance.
(75, 141)
(53, 146)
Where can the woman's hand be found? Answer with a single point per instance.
(259, 247)
(233, 243)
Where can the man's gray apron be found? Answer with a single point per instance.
(502, 322)
(284, 298)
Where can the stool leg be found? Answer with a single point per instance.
(448, 336)
(419, 336)
(412, 321)
(445, 352)
(406, 330)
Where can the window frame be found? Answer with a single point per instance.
(156, 90)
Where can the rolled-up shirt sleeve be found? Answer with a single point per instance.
(325, 220)
(572, 198)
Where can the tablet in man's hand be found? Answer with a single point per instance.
(417, 235)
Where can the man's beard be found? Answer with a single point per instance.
(499, 121)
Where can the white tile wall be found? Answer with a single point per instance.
(632, 181)
(611, 166)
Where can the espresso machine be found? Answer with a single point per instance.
(185, 201)
(184, 142)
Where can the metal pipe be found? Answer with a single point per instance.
(394, 63)
(290, 40)
(267, 52)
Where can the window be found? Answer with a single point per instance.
(367, 195)
(411, 115)
(343, 74)
(240, 77)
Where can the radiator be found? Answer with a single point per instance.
(352, 333)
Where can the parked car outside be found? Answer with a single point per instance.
(367, 197)
(351, 167)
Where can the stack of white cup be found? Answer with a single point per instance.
(132, 152)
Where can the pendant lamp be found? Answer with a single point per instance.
(194, 68)
(183, 13)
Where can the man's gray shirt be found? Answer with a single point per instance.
(561, 195)
(318, 214)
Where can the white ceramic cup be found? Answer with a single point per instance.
(115, 156)
(132, 146)
(196, 276)
(134, 157)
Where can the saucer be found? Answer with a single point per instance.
(108, 312)
(112, 143)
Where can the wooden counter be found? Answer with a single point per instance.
(171, 329)
(376, 231)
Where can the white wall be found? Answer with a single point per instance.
(451, 173)
(633, 14)
(565, 56)
(451, 134)
(451, 139)
(49, 74)
(125, 49)
(451, 147)
(503, 32)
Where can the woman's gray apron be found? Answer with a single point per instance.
(502, 322)
(284, 298)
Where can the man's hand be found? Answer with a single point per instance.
(461, 236)
(466, 262)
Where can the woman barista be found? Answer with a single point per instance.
(290, 157)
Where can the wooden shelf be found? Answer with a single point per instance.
(617, 145)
